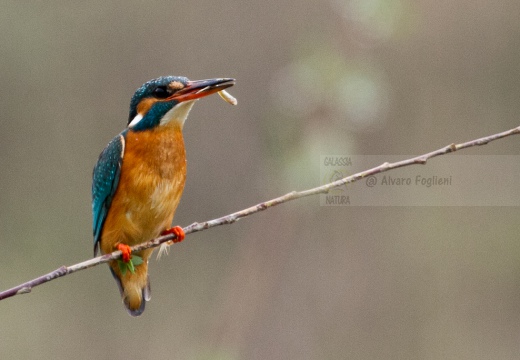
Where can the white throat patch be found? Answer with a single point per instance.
(178, 113)
(135, 120)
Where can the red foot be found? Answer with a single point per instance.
(126, 252)
(177, 230)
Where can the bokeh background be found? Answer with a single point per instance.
(299, 281)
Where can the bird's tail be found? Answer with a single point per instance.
(134, 287)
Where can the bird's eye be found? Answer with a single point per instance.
(161, 92)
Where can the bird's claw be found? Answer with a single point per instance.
(177, 231)
(126, 252)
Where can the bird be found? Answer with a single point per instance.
(139, 178)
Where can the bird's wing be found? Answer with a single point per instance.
(104, 183)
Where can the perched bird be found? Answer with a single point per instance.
(139, 178)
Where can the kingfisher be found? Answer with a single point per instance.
(139, 178)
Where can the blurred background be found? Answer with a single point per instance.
(299, 281)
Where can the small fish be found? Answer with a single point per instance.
(227, 97)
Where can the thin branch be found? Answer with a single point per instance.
(231, 218)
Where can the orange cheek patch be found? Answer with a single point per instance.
(145, 105)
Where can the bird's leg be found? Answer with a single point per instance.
(126, 252)
(177, 230)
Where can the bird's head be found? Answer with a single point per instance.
(168, 100)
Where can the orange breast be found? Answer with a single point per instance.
(150, 187)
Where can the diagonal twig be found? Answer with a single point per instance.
(231, 218)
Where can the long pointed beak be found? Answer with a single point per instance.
(200, 88)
